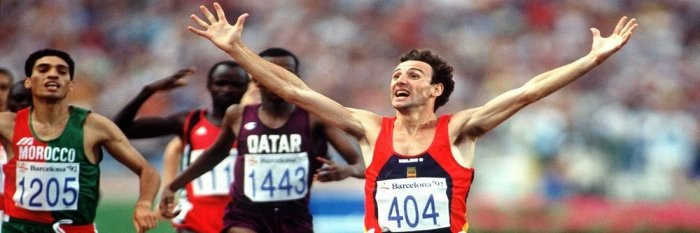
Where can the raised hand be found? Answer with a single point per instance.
(603, 47)
(167, 204)
(144, 218)
(218, 30)
(173, 81)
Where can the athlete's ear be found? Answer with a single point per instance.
(71, 85)
(436, 89)
(27, 83)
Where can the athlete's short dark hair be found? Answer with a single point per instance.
(280, 52)
(31, 60)
(229, 63)
(7, 73)
(442, 73)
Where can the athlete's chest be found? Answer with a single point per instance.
(409, 144)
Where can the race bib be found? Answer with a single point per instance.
(218, 180)
(412, 204)
(47, 186)
(276, 177)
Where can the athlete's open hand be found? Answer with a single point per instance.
(173, 81)
(217, 29)
(144, 218)
(167, 204)
(332, 172)
(603, 47)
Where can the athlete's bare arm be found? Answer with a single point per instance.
(7, 127)
(208, 160)
(277, 79)
(350, 153)
(147, 127)
(473, 123)
(101, 132)
(171, 160)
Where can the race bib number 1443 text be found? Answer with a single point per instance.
(276, 177)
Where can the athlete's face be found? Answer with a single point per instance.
(286, 62)
(50, 79)
(228, 84)
(410, 85)
(4, 91)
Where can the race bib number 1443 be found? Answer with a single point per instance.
(276, 177)
(47, 186)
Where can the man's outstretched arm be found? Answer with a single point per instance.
(151, 126)
(476, 122)
(276, 79)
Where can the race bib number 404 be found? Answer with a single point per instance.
(47, 186)
(276, 177)
(218, 180)
(412, 204)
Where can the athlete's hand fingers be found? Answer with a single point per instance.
(150, 220)
(137, 226)
(167, 204)
(324, 160)
(321, 177)
(207, 14)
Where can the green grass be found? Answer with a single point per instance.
(115, 217)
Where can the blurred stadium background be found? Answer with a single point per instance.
(616, 151)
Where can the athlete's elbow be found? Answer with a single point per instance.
(529, 94)
(150, 173)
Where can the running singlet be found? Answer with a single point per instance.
(48, 181)
(207, 196)
(422, 193)
(3, 161)
(275, 166)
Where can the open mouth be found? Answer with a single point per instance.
(51, 85)
(401, 94)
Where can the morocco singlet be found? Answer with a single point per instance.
(417, 193)
(51, 182)
(205, 198)
(273, 173)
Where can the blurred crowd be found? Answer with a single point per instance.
(627, 131)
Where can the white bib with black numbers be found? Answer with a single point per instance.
(218, 180)
(276, 177)
(47, 186)
(412, 204)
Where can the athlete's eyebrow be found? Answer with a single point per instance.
(412, 68)
(59, 66)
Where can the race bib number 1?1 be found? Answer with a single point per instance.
(47, 186)
(276, 177)
(412, 204)
(218, 180)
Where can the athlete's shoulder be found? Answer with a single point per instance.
(7, 123)
(235, 110)
(365, 116)
(98, 122)
(7, 117)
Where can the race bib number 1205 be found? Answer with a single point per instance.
(276, 177)
(47, 186)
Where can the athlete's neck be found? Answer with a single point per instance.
(276, 109)
(414, 119)
(50, 113)
(217, 114)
